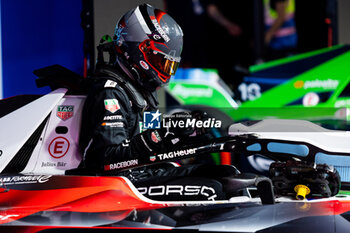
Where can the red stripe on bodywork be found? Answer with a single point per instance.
(91, 194)
(225, 158)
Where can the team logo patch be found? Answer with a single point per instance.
(65, 111)
(151, 120)
(144, 65)
(111, 105)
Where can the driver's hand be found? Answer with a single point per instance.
(172, 127)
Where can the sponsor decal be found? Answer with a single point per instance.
(152, 158)
(59, 147)
(155, 137)
(156, 37)
(299, 84)
(110, 83)
(176, 154)
(113, 124)
(324, 84)
(342, 113)
(111, 105)
(311, 99)
(151, 120)
(120, 165)
(65, 112)
(342, 103)
(30, 179)
(172, 58)
(53, 164)
(185, 92)
(175, 140)
(113, 117)
(144, 65)
(9, 216)
(159, 29)
(181, 190)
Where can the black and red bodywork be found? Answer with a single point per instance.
(57, 203)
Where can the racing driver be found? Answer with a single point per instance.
(144, 54)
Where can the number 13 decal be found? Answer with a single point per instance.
(249, 91)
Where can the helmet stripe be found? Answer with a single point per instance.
(159, 15)
(142, 21)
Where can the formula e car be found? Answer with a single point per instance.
(38, 193)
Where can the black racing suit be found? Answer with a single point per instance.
(111, 133)
(109, 120)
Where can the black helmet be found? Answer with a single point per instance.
(150, 41)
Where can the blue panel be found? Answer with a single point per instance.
(35, 34)
(300, 150)
(254, 147)
(274, 81)
(340, 162)
(195, 74)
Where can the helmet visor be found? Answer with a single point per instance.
(160, 61)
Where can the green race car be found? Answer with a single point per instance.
(312, 86)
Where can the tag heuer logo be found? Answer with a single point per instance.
(65, 111)
(111, 105)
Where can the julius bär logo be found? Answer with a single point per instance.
(65, 111)
(151, 120)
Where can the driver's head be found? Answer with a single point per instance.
(150, 41)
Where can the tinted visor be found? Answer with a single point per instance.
(160, 61)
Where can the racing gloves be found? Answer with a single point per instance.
(170, 137)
